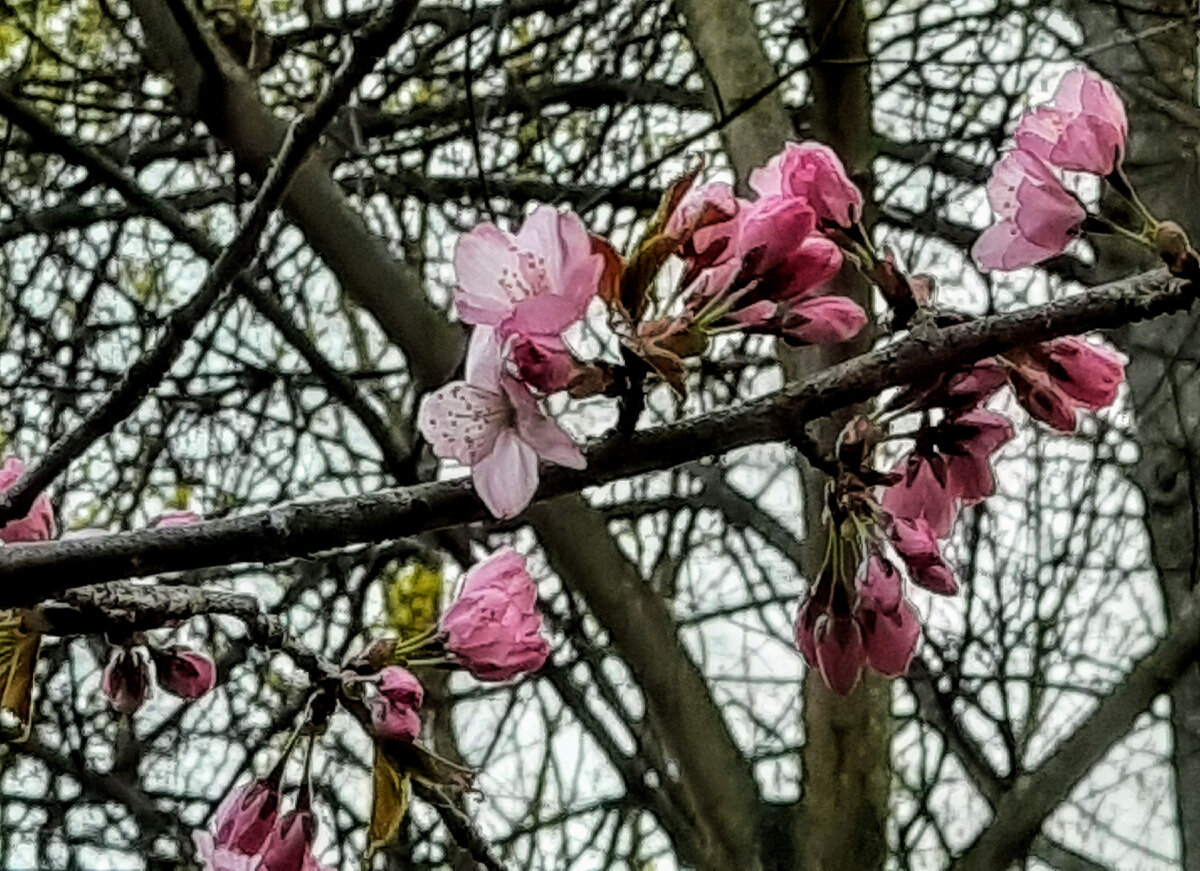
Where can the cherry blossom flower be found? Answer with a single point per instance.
(493, 628)
(968, 440)
(812, 172)
(921, 492)
(1083, 129)
(289, 845)
(889, 624)
(1038, 216)
(492, 422)
(394, 711)
(1055, 380)
(241, 826)
(537, 282)
(916, 543)
(183, 672)
(38, 524)
(127, 681)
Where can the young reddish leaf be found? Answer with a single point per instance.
(610, 278)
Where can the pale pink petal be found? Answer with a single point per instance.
(1001, 246)
(485, 359)
(506, 478)
(485, 263)
(539, 430)
(462, 421)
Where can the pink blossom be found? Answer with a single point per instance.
(916, 543)
(242, 823)
(493, 628)
(968, 441)
(922, 492)
(1083, 129)
(1038, 216)
(822, 320)
(394, 713)
(812, 172)
(542, 362)
(492, 422)
(183, 672)
(889, 624)
(289, 845)
(771, 229)
(126, 680)
(535, 283)
(38, 524)
(840, 653)
(1089, 374)
(976, 385)
(707, 223)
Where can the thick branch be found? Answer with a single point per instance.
(32, 572)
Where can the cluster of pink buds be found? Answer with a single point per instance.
(133, 670)
(492, 630)
(250, 834)
(1082, 130)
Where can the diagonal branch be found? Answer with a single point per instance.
(36, 571)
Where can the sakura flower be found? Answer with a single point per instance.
(493, 628)
(1038, 216)
(242, 823)
(706, 224)
(537, 282)
(394, 712)
(922, 492)
(889, 624)
(916, 543)
(812, 172)
(841, 654)
(183, 672)
(289, 845)
(1058, 378)
(127, 681)
(1082, 130)
(38, 524)
(492, 423)
(968, 441)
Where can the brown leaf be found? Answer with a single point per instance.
(610, 278)
(389, 802)
(18, 663)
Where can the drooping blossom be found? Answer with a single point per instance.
(493, 423)
(288, 847)
(1083, 129)
(1056, 379)
(841, 632)
(536, 283)
(184, 672)
(493, 628)
(38, 524)
(968, 441)
(812, 172)
(916, 543)
(240, 828)
(394, 711)
(1038, 217)
(127, 681)
(921, 492)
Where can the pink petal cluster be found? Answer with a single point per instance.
(128, 680)
(841, 633)
(493, 628)
(493, 423)
(395, 709)
(38, 524)
(1056, 379)
(762, 269)
(1082, 130)
(250, 834)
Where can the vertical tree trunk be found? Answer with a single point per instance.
(1156, 74)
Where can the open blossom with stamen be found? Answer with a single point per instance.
(1038, 216)
(38, 524)
(491, 422)
(537, 282)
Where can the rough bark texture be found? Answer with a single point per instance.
(1156, 74)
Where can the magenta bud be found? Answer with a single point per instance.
(126, 680)
(183, 672)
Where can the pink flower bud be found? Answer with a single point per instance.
(289, 845)
(840, 655)
(394, 712)
(916, 544)
(493, 628)
(921, 492)
(823, 320)
(1088, 373)
(126, 680)
(812, 172)
(542, 362)
(247, 816)
(38, 524)
(890, 637)
(186, 673)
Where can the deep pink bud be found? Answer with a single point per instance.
(1084, 128)
(289, 845)
(916, 544)
(542, 362)
(493, 628)
(921, 492)
(1043, 398)
(977, 384)
(823, 320)
(183, 672)
(38, 524)
(394, 713)
(890, 638)
(771, 230)
(812, 172)
(840, 655)
(126, 680)
(1089, 374)
(977, 434)
(247, 816)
